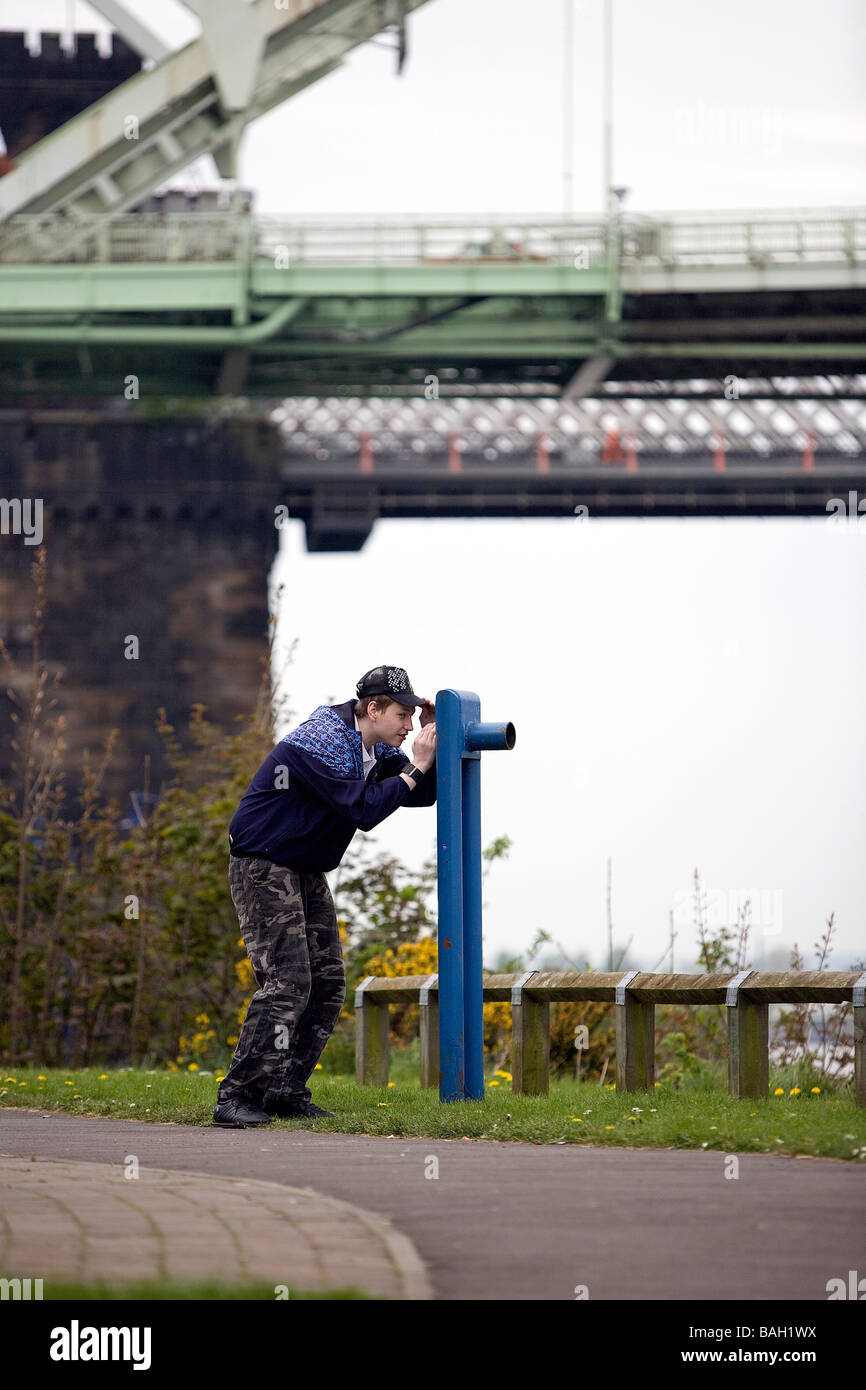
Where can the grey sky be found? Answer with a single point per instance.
(685, 693)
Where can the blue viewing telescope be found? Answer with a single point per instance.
(460, 739)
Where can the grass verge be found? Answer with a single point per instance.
(174, 1291)
(826, 1124)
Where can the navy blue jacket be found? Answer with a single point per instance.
(309, 796)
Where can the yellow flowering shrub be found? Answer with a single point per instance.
(246, 978)
(422, 958)
(193, 1051)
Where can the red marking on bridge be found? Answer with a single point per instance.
(719, 463)
(447, 943)
(809, 453)
(631, 456)
(611, 450)
(455, 464)
(366, 453)
(542, 455)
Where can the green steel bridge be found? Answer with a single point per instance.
(223, 303)
(94, 291)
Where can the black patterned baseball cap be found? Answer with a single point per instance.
(388, 680)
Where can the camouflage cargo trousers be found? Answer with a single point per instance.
(290, 930)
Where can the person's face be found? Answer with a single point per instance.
(392, 725)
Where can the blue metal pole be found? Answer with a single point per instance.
(473, 1002)
(460, 738)
(449, 747)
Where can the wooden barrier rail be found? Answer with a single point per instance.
(746, 996)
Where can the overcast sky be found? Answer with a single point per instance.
(685, 693)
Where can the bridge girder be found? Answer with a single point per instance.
(209, 303)
(196, 101)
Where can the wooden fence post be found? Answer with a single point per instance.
(748, 1042)
(429, 1031)
(859, 998)
(372, 1053)
(530, 1041)
(635, 1039)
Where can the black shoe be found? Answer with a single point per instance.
(287, 1110)
(238, 1113)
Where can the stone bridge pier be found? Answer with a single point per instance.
(159, 538)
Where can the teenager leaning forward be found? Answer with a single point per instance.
(340, 771)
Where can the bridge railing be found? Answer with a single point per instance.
(746, 996)
(782, 239)
(756, 239)
(146, 237)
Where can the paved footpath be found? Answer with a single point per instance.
(525, 1221)
(114, 1223)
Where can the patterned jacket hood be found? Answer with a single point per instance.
(305, 822)
(329, 734)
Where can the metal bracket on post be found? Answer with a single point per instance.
(733, 991)
(635, 1038)
(858, 999)
(619, 997)
(748, 1041)
(429, 1032)
(517, 990)
(359, 990)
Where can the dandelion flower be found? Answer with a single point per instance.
(816, 1090)
(104, 1076)
(193, 1066)
(576, 1118)
(493, 1083)
(385, 1103)
(317, 1067)
(608, 1126)
(42, 1078)
(392, 1083)
(795, 1091)
(69, 1083)
(779, 1091)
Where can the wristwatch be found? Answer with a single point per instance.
(412, 771)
